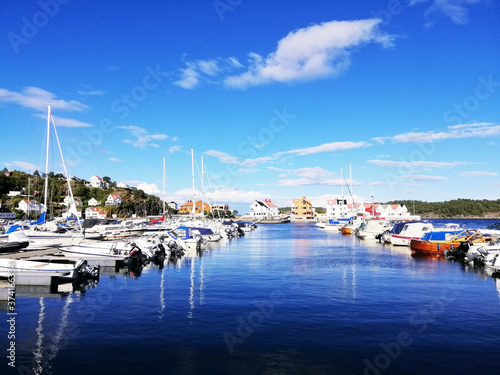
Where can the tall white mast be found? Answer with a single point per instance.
(342, 177)
(192, 175)
(163, 184)
(68, 178)
(350, 175)
(47, 164)
(202, 186)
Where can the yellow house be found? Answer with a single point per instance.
(200, 208)
(302, 210)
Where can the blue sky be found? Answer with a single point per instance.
(278, 97)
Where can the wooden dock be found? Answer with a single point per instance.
(29, 253)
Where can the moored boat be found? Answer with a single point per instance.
(409, 230)
(437, 242)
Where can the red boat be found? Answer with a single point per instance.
(437, 242)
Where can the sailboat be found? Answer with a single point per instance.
(42, 233)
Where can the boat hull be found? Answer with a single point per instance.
(418, 247)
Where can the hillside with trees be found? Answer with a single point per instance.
(135, 201)
(456, 208)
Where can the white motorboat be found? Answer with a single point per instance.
(13, 241)
(409, 230)
(372, 228)
(29, 272)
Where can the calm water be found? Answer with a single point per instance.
(283, 299)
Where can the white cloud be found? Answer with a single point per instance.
(144, 186)
(115, 160)
(456, 10)
(416, 164)
(142, 137)
(310, 53)
(199, 71)
(424, 178)
(474, 130)
(189, 78)
(26, 166)
(313, 52)
(92, 92)
(478, 174)
(222, 156)
(38, 99)
(174, 149)
(256, 161)
(314, 176)
(66, 122)
(327, 147)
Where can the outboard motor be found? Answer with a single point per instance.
(138, 257)
(160, 252)
(84, 270)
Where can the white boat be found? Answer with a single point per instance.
(413, 229)
(13, 241)
(185, 239)
(370, 229)
(335, 224)
(479, 252)
(29, 272)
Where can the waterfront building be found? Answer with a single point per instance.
(95, 213)
(302, 210)
(200, 208)
(263, 209)
(113, 200)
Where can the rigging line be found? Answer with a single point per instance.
(65, 171)
(212, 189)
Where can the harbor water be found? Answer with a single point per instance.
(283, 299)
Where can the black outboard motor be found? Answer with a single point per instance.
(160, 252)
(84, 270)
(138, 257)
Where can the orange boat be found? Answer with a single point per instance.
(437, 242)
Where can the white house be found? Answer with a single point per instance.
(67, 201)
(338, 208)
(219, 207)
(172, 205)
(93, 202)
(97, 182)
(123, 185)
(95, 213)
(32, 205)
(264, 208)
(113, 200)
(14, 193)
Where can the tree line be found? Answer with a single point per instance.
(452, 208)
(135, 201)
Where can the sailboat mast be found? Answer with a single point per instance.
(192, 175)
(68, 178)
(163, 185)
(47, 162)
(202, 186)
(342, 177)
